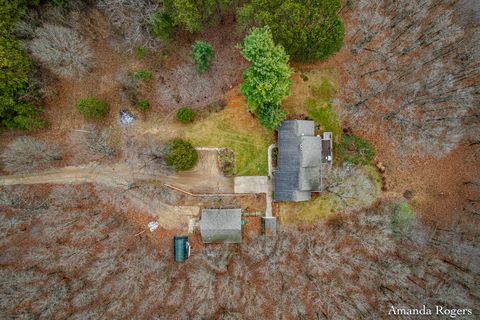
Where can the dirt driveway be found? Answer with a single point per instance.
(204, 178)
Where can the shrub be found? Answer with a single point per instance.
(143, 75)
(267, 80)
(162, 25)
(185, 115)
(26, 153)
(143, 105)
(61, 50)
(181, 155)
(202, 53)
(226, 157)
(141, 53)
(92, 108)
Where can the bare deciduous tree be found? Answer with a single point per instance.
(414, 71)
(60, 49)
(354, 268)
(131, 18)
(25, 154)
(97, 142)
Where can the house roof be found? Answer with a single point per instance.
(299, 161)
(221, 225)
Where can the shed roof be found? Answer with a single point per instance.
(221, 225)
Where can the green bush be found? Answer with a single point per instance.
(162, 25)
(202, 53)
(143, 75)
(143, 105)
(141, 53)
(308, 30)
(185, 115)
(181, 155)
(92, 108)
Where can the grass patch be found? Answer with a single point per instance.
(402, 220)
(143, 75)
(324, 91)
(325, 117)
(319, 85)
(372, 172)
(354, 150)
(358, 190)
(235, 128)
(307, 212)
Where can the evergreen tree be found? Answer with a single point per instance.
(267, 80)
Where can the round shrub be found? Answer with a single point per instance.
(92, 108)
(185, 115)
(181, 155)
(143, 105)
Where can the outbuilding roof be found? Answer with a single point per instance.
(221, 225)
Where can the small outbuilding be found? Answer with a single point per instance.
(221, 225)
(269, 226)
(181, 248)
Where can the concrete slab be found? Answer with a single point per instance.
(256, 184)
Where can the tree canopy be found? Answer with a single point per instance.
(181, 155)
(308, 30)
(191, 14)
(267, 80)
(15, 109)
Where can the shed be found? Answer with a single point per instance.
(181, 248)
(221, 225)
(269, 226)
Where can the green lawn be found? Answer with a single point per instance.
(235, 128)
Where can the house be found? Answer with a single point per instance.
(301, 159)
(221, 225)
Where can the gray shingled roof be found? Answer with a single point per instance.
(221, 225)
(299, 161)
